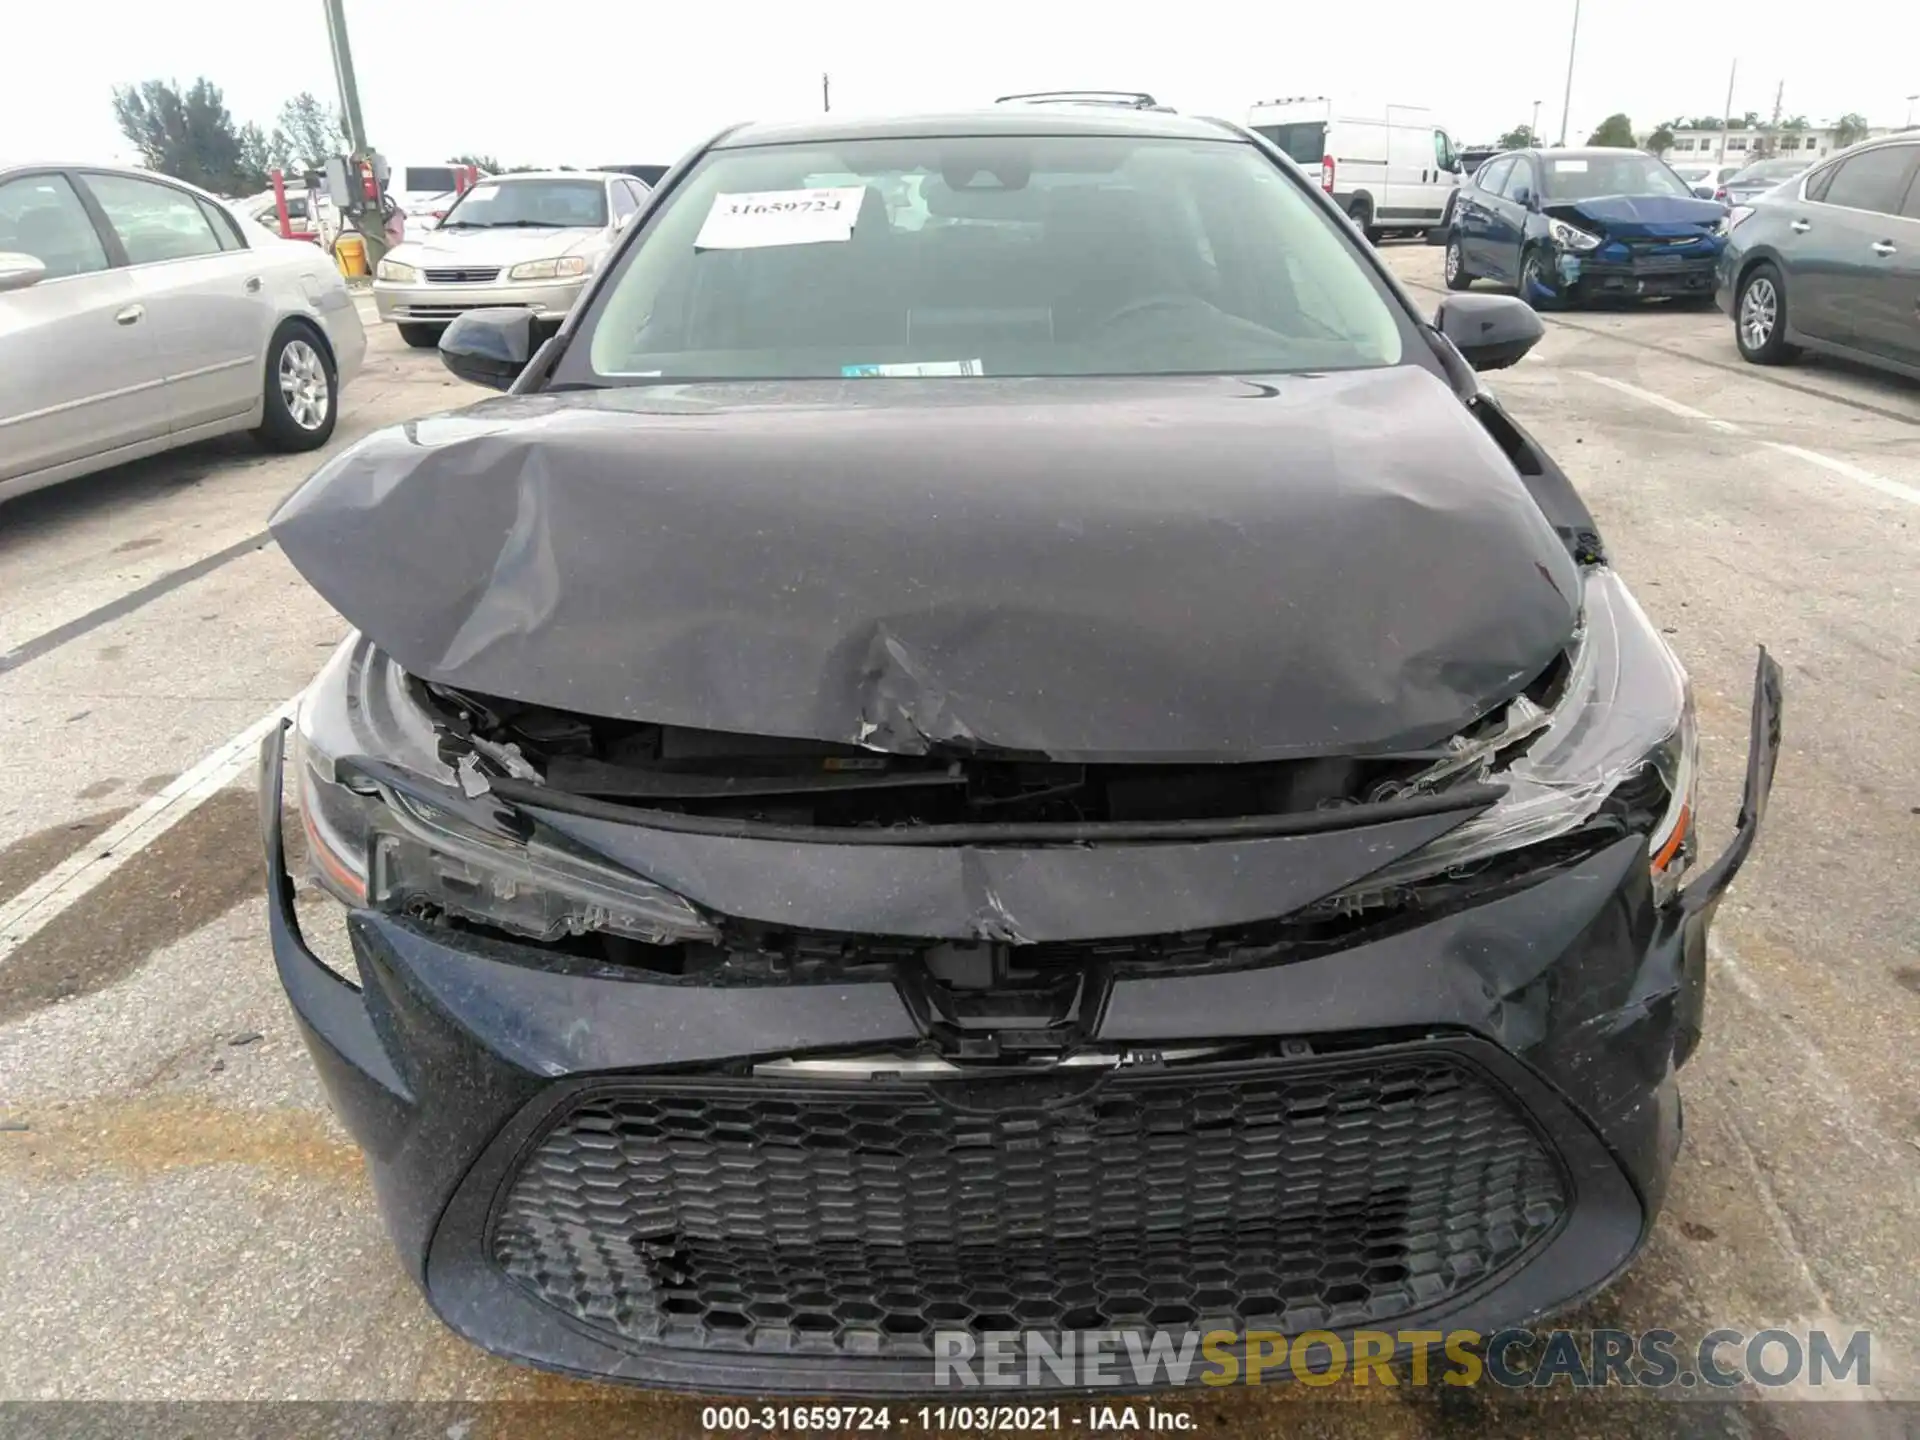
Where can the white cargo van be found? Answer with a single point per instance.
(424, 193)
(1391, 167)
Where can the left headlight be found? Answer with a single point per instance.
(1571, 237)
(397, 271)
(564, 267)
(1624, 719)
(399, 835)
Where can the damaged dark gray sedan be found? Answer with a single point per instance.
(998, 735)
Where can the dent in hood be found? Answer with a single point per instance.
(1190, 569)
(1641, 214)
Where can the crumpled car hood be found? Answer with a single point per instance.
(1629, 215)
(1122, 570)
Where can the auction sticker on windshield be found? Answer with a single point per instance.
(753, 219)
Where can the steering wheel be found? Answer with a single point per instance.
(1140, 305)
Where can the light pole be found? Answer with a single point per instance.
(1566, 104)
(1910, 100)
(1726, 113)
(1533, 130)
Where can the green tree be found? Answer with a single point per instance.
(1849, 129)
(1704, 122)
(485, 164)
(1616, 130)
(1521, 137)
(308, 133)
(1795, 123)
(1661, 140)
(186, 134)
(256, 158)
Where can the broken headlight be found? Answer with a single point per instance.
(388, 827)
(1571, 237)
(1622, 720)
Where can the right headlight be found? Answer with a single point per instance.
(1624, 714)
(388, 826)
(1571, 237)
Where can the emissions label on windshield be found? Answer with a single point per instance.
(759, 218)
(920, 368)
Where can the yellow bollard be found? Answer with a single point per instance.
(350, 253)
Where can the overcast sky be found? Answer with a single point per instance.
(603, 81)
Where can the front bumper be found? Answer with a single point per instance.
(1583, 278)
(581, 1175)
(424, 304)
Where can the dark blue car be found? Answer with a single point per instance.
(1567, 226)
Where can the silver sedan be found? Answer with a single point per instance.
(138, 313)
(527, 241)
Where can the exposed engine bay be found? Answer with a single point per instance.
(777, 780)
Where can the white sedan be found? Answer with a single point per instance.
(138, 313)
(526, 242)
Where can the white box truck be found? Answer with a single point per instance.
(1390, 167)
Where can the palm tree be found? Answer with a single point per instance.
(1849, 128)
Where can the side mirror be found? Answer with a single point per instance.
(488, 347)
(1491, 332)
(18, 271)
(623, 221)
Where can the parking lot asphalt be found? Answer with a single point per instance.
(180, 1218)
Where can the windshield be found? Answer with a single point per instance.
(537, 204)
(1587, 177)
(1065, 255)
(1773, 170)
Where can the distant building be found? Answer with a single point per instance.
(1742, 145)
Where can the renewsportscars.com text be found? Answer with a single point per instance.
(1647, 1359)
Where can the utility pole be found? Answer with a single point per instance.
(1533, 130)
(826, 93)
(1726, 114)
(343, 72)
(1566, 104)
(371, 227)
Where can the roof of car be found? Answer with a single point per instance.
(1002, 120)
(1575, 152)
(555, 175)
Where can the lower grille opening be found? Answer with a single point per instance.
(851, 1220)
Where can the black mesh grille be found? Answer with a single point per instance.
(839, 1220)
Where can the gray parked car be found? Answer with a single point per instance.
(527, 242)
(1758, 178)
(1831, 263)
(138, 313)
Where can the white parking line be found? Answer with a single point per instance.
(36, 907)
(1672, 407)
(1828, 463)
(1852, 472)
